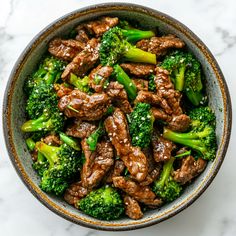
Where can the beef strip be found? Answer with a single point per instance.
(133, 157)
(74, 193)
(190, 168)
(117, 170)
(119, 96)
(53, 140)
(82, 35)
(65, 49)
(84, 61)
(132, 208)
(160, 45)
(162, 148)
(81, 129)
(141, 84)
(97, 163)
(138, 69)
(143, 194)
(62, 90)
(98, 77)
(83, 106)
(100, 26)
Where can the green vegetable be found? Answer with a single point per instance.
(152, 84)
(104, 204)
(201, 138)
(187, 153)
(165, 187)
(141, 125)
(134, 35)
(114, 47)
(69, 141)
(81, 84)
(30, 143)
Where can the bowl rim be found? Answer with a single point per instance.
(7, 114)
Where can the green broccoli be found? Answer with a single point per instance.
(30, 143)
(201, 138)
(141, 125)
(152, 84)
(114, 46)
(81, 84)
(73, 143)
(185, 72)
(104, 204)
(165, 187)
(93, 138)
(133, 35)
(63, 164)
(124, 79)
(41, 164)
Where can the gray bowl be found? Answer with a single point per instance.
(14, 115)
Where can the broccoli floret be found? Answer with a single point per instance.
(49, 71)
(124, 79)
(141, 125)
(81, 84)
(104, 204)
(93, 138)
(63, 164)
(185, 72)
(201, 137)
(30, 143)
(114, 46)
(152, 84)
(165, 187)
(51, 120)
(41, 165)
(69, 141)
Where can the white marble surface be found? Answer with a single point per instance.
(214, 214)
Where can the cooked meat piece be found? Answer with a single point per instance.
(142, 194)
(153, 99)
(179, 123)
(81, 129)
(65, 49)
(62, 90)
(97, 163)
(159, 114)
(98, 76)
(119, 96)
(190, 168)
(117, 170)
(53, 140)
(160, 45)
(81, 36)
(74, 193)
(132, 208)
(84, 61)
(166, 91)
(138, 69)
(162, 148)
(83, 106)
(141, 84)
(34, 155)
(133, 157)
(100, 26)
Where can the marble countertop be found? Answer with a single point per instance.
(214, 213)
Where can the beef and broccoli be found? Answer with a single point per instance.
(117, 119)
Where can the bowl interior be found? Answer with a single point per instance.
(15, 115)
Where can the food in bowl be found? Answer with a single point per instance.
(118, 119)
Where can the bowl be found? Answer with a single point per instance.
(14, 115)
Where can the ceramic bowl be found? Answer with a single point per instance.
(14, 115)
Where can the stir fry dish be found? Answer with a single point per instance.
(117, 119)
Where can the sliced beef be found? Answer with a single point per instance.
(160, 45)
(162, 148)
(53, 140)
(83, 106)
(82, 35)
(99, 76)
(81, 129)
(133, 158)
(84, 61)
(62, 90)
(119, 96)
(117, 170)
(132, 208)
(143, 194)
(97, 163)
(159, 114)
(179, 123)
(74, 193)
(65, 49)
(190, 168)
(138, 69)
(141, 84)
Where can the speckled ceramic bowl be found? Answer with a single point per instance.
(14, 115)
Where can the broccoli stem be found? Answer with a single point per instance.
(81, 84)
(179, 80)
(69, 141)
(195, 97)
(30, 143)
(187, 153)
(134, 35)
(124, 79)
(137, 55)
